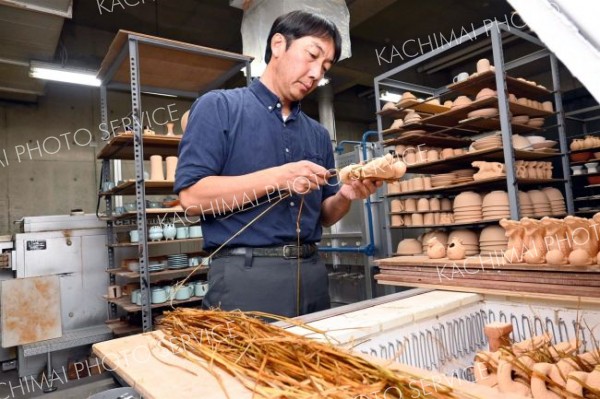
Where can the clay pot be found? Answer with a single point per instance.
(417, 219)
(483, 65)
(426, 183)
(576, 144)
(397, 221)
(434, 204)
(423, 205)
(435, 249)
(534, 241)
(171, 168)
(447, 153)
(428, 219)
(156, 168)
(409, 246)
(461, 101)
(456, 250)
(410, 205)
(515, 247)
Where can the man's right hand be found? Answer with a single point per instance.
(302, 177)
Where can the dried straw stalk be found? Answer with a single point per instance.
(275, 363)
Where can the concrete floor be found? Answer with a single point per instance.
(11, 388)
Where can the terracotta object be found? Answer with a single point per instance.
(483, 65)
(397, 221)
(382, 168)
(435, 249)
(557, 241)
(539, 389)
(584, 241)
(423, 205)
(535, 247)
(428, 219)
(397, 124)
(515, 247)
(506, 384)
(170, 129)
(488, 170)
(456, 250)
(485, 93)
(156, 168)
(498, 335)
(485, 366)
(389, 106)
(417, 219)
(409, 246)
(410, 205)
(396, 205)
(171, 168)
(461, 101)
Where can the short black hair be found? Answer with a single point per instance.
(297, 24)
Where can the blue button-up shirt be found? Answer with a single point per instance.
(240, 131)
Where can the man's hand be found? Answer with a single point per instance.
(302, 177)
(359, 189)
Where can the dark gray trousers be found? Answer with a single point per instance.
(267, 284)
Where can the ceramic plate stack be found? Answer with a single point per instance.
(493, 141)
(541, 203)
(444, 179)
(464, 175)
(493, 241)
(467, 207)
(495, 206)
(155, 266)
(526, 205)
(469, 239)
(179, 261)
(557, 201)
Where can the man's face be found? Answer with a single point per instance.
(301, 67)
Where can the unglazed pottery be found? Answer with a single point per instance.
(171, 168)
(435, 249)
(483, 65)
(456, 250)
(515, 233)
(156, 168)
(535, 246)
(170, 129)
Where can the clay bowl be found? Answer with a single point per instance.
(580, 156)
(461, 101)
(389, 106)
(536, 139)
(536, 122)
(407, 95)
(539, 199)
(484, 113)
(593, 179)
(468, 237)
(495, 198)
(485, 93)
(553, 194)
(467, 198)
(397, 124)
(519, 142)
(520, 120)
(409, 246)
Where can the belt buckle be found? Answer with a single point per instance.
(291, 246)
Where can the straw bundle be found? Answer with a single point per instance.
(275, 363)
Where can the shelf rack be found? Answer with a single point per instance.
(169, 67)
(456, 122)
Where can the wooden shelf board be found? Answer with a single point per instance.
(588, 198)
(151, 188)
(191, 68)
(121, 146)
(491, 221)
(591, 149)
(490, 154)
(576, 163)
(163, 273)
(418, 106)
(124, 303)
(410, 213)
(149, 212)
(474, 84)
(587, 211)
(161, 242)
(474, 184)
(585, 175)
(433, 139)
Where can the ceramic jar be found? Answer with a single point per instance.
(171, 168)
(396, 206)
(156, 168)
(397, 221)
(428, 219)
(423, 205)
(483, 65)
(417, 219)
(434, 204)
(410, 205)
(155, 233)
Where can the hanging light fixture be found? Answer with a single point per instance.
(59, 73)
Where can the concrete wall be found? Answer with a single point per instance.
(47, 169)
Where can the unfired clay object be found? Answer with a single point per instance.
(171, 168)
(557, 241)
(382, 168)
(584, 241)
(534, 241)
(435, 249)
(156, 168)
(488, 170)
(515, 233)
(170, 129)
(456, 250)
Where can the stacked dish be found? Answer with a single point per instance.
(155, 266)
(493, 141)
(492, 241)
(495, 206)
(467, 207)
(526, 206)
(541, 203)
(469, 240)
(179, 261)
(444, 179)
(463, 175)
(557, 201)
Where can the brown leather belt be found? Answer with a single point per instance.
(290, 251)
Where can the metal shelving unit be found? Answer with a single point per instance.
(455, 123)
(204, 69)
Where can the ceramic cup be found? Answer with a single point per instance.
(195, 231)
(114, 291)
(134, 236)
(159, 295)
(483, 65)
(183, 292)
(461, 77)
(182, 233)
(200, 288)
(136, 297)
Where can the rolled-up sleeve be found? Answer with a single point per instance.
(203, 148)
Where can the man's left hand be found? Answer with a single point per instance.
(359, 189)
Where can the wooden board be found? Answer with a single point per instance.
(30, 310)
(146, 367)
(121, 146)
(474, 84)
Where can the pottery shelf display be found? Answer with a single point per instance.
(537, 367)
(571, 241)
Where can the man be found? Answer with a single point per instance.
(243, 151)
